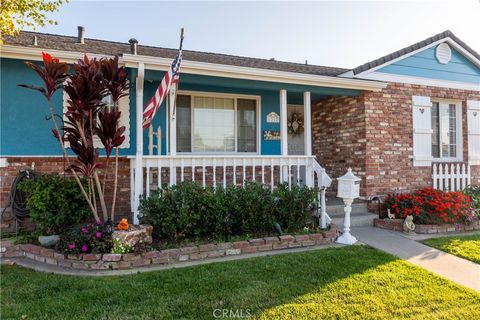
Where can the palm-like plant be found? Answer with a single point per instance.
(87, 116)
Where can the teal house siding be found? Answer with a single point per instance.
(424, 64)
(25, 131)
(25, 128)
(269, 93)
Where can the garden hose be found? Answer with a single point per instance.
(17, 199)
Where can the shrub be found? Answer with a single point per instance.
(190, 211)
(293, 207)
(119, 247)
(54, 203)
(431, 206)
(185, 210)
(250, 209)
(89, 238)
(474, 192)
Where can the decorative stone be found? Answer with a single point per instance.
(136, 235)
(49, 241)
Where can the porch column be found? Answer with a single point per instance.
(173, 134)
(283, 122)
(284, 133)
(308, 136)
(138, 182)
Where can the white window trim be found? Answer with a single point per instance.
(459, 137)
(233, 96)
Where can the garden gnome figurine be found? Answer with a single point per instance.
(408, 225)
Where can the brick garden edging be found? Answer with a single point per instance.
(397, 225)
(168, 256)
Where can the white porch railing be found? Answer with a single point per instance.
(451, 177)
(230, 169)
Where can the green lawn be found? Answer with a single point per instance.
(467, 247)
(353, 282)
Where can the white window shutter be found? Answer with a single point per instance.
(124, 108)
(422, 131)
(473, 122)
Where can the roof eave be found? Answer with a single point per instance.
(203, 68)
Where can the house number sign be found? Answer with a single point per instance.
(273, 117)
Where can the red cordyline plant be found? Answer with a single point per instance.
(87, 116)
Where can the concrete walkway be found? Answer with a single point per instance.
(456, 269)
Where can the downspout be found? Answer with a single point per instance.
(139, 150)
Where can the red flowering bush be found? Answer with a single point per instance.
(432, 206)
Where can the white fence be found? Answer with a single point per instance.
(451, 177)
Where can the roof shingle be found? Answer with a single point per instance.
(68, 43)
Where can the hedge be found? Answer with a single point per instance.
(190, 211)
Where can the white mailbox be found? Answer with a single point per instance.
(348, 189)
(348, 186)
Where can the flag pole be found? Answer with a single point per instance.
(182, 30)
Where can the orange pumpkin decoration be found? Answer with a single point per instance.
(123, 225)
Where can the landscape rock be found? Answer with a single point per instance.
(135, 236)
(48, 241)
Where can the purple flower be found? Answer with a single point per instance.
(71, 246)
(99, 223)
(84, 230)
(84, 248)
(98, 234)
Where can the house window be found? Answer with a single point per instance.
(446, 124)
(216, 124)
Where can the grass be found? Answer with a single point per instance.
(354, 282)
(467, 247)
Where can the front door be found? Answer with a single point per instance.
(296, 139)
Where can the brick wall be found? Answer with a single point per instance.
(339, 136)
(375, 132)
(56, 165)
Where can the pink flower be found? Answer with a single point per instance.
(84, 230)
(98, 234)
(71, 246)
(84, 248)
(99, 223)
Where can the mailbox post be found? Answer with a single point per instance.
(348, 190)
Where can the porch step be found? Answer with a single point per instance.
(361, 219)
(336, 210)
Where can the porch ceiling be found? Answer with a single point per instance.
(187, 81)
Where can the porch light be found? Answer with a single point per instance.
(348, 190)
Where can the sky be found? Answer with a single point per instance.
(335, 33)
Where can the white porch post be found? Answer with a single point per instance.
(173, 134)
(283, 122)
(284, 132)
(138, 185)
(308, 136)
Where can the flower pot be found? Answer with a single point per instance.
(48, 241)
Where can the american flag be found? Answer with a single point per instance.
(170, 79)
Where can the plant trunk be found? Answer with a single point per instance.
(101, 196)
(65, 155)
(115, 183)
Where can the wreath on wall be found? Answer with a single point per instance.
(295, 124)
